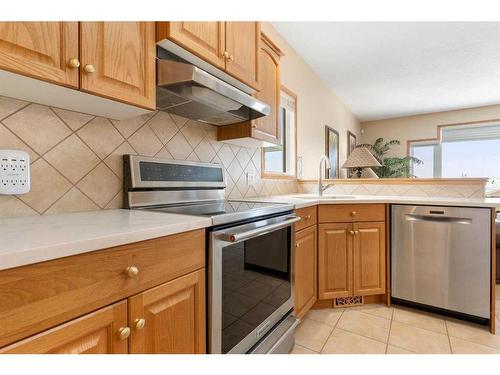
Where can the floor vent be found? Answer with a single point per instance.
(348, 301)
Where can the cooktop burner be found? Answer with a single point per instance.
(224, 211)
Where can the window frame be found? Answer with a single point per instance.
(281, 175)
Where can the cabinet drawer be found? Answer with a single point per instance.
(40, 296)
(348, 213)
(309, 217)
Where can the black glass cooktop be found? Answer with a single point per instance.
(226, 210)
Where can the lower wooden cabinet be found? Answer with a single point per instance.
(94, 333)
(305, 266)
(170, 318)
(351, 259)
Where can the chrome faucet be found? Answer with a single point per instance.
(322, 188)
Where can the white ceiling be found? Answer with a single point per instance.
(384, 69)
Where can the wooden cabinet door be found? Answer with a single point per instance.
(40, 50)
(369, 258)
(243, 44)
(334, 261)
(174, 315)
(305, 265)
(205, 39)
(94, 333)
(267, 128)
(123, 57)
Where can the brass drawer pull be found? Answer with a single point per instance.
(132, 271)
(351, 232)
(140, 323)
(89, 68)
(124, 333)
(354, 213)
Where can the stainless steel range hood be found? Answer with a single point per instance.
(189, 91)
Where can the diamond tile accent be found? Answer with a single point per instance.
(101, 136)
(205, 151)
(193, 132)
(73, 201)
(163, 126)
(11, 206)
(179, 147)
(115, 160)
(47, 186)
(72, 158)
(8, 106)
(145, 142)
(130, 126)
(9, 140)
(38, 127)
(74, 120)
(226, 155)
(100, 185)
(243, 157)
(163, 153)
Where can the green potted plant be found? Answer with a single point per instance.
(392, 167)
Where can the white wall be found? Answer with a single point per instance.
(317, 106)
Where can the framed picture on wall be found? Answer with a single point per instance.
(351, 145)
(332, 152)
(351, 142)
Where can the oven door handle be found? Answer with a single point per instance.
(236, 237)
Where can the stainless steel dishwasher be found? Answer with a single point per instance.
(440, 258)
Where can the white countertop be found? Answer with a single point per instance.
(28, 240)
(305, 200)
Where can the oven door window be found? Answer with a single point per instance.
(255, 282)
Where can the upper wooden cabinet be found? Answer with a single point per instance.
(242, 45)
(205, 39)
(40, 50)
(264, 130)
(230, 46)
(118, 61)
(305, 267)
(173, 315)
(94, 333)
(115, 60)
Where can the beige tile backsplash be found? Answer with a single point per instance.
(76, 159)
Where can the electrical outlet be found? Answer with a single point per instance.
(14, 172)
(250, 179)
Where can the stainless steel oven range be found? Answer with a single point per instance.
(249, 258)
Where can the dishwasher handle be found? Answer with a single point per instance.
(439, 219)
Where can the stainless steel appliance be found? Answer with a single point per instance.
(250, 283)
(441, 258)
(190, 87)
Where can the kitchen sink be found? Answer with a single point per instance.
(325, 196)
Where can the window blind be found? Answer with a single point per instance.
(470, 133)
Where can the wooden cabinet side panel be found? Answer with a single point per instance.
(94, 333)
(40, 50)
(269, 76)
(334, 261)
(124, 57)
(305, 267)
(175, 317)
(206, 39)
(243, 43)
(369, 258)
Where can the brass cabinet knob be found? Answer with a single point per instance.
(226, 55)
(351, 232)
(89, 68)
(124, 333)
(140, 323)
(307, 217)
(354, 213)
(231, 57)
(132, 271)
(254, 126)
(356, 232)
(73, 63)
(297, 244)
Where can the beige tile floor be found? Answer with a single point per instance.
(377, 329)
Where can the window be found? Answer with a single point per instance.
(279, 161)
(464, 151)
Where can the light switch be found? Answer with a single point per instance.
(250, 179)
(14, 172)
